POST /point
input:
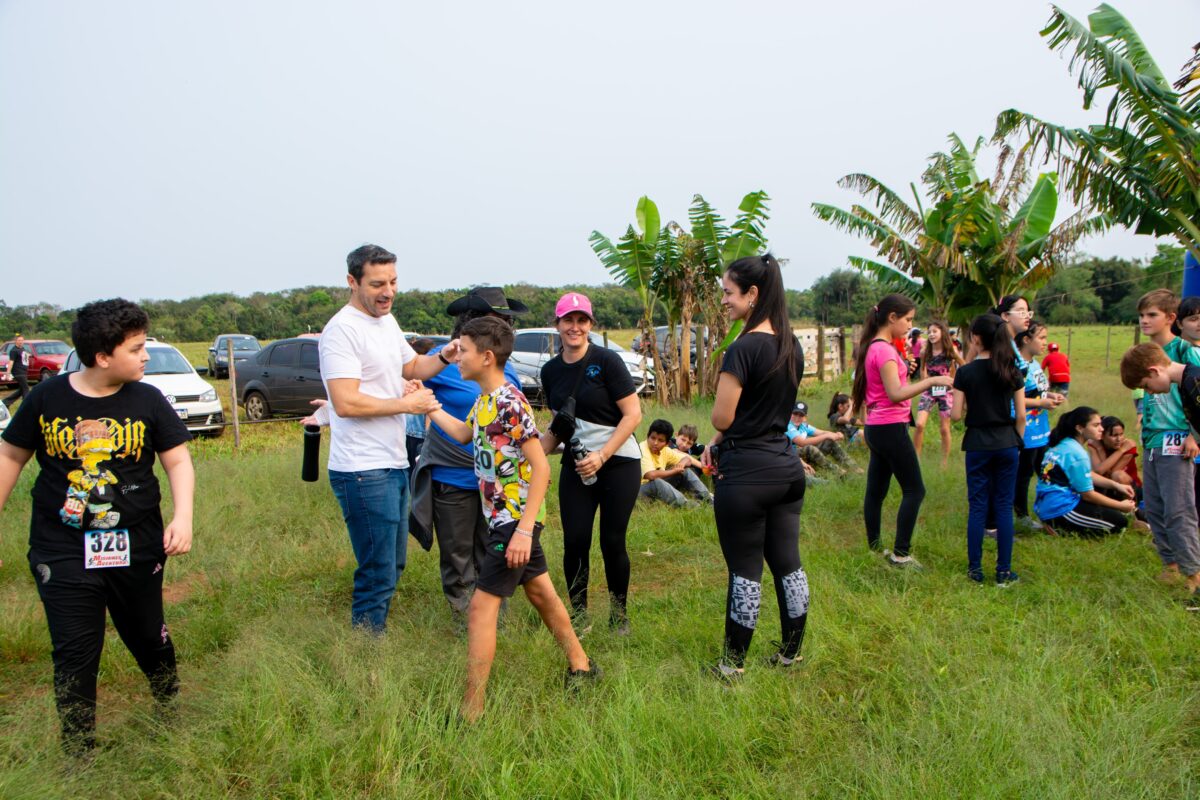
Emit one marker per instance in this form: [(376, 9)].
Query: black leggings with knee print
[(757, 521), (614, 494), (892, 454)]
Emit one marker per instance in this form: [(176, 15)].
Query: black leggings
[(1089, 519), (892, 453), (1029, 464), (757, 521), (614, 493), (75, 600)]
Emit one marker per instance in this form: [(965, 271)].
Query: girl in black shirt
[(759, 481)]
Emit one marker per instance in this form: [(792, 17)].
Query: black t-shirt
[(990, 423), (18, 360), (755, 448), (97, 465), (605, 381), (1189, 394)]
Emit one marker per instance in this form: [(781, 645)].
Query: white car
[(193, 398), (533, 347)]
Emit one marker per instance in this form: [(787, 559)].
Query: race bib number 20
[(103, 549), (1172, 443)]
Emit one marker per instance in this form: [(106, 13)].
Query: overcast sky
[(167, 149)]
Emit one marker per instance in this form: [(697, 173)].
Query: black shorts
[(495, 577)]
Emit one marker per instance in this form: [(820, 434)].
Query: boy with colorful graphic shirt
[(513, 477), (1150, 367), (1168, 449), (96, 538)]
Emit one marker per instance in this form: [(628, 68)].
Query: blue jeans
[(991, 481), (375, 506)]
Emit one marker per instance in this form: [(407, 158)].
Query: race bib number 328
[(103, 549)]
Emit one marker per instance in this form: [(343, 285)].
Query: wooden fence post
[(821, 352), (1137, 334), (1068, 342), (842, 350), (1107, 344), (233, 405)]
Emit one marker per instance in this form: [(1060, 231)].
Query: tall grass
[(1081, 681)]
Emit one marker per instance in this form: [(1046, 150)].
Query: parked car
[(46, 357), (193, 398), (282, 378), (660, 333), (244, 347), (533, 347)]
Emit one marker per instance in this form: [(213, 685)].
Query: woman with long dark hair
[(759, 481), (595, 383), (990, 393), (1039, 402), (1067, 499), (882, 391)]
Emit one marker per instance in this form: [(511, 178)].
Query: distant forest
[(1088, 290)]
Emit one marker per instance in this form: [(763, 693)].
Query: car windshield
[(248, 345), (51, 349), (166, 362)]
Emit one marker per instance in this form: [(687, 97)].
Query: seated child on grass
[(817, 447), (665, 473), (513, 476)]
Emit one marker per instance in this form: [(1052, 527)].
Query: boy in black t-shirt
[(96, 537)]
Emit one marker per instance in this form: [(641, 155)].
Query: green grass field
[(1080, 681)]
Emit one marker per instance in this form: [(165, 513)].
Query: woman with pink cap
[(596, 411)]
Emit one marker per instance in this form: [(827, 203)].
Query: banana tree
[(1141, 166), (978, 240)]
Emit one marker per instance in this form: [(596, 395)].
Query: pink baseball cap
[(573, 301)]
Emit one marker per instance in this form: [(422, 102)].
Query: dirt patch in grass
[(183, 589)]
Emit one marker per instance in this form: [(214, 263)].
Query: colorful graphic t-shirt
[(1163, 413), (96, 456), (503, 422), (1037, 420), (1066, 474)]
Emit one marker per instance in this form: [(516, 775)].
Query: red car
[(46, 357)]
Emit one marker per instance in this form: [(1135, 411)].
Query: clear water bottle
[(579, 452)]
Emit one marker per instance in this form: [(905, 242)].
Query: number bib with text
[(1172, 443), (938, 391), (103, 549)]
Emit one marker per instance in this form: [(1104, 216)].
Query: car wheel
[(256, 406), (44, 374)]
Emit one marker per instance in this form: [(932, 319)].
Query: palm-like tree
[(977, 240), (1140, 166)]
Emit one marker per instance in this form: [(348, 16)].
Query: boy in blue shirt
[(815, 446), (513, 477)]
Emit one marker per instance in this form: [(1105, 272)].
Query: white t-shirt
[(373, 351)]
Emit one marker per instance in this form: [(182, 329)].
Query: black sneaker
[(975, 575), (578, 677), (778, 659), (730, 676), (1007, 578)]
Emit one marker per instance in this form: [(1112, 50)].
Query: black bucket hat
[(489, 300)]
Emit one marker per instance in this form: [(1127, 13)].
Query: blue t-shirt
[(1066, 474), (803, 429), (458, 397), (1037, 420)]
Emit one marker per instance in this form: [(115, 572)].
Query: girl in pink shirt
[(882, 391)]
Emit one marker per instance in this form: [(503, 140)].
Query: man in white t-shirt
[(373, 378)]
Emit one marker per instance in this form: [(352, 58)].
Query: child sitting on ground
[(687, 441), (665, 473), (513, 476), (841, 418), (817, 447)]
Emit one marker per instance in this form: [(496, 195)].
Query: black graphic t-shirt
[(990, 422), (606, 380), (755, 448), (97, 465), (18, 360)]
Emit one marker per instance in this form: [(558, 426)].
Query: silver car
[(533, 347)]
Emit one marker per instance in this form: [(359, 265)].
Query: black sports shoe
[(1007, 578), (975, 575), (577, 677), (725, 673), (778, 659)]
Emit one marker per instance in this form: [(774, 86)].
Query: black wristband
[(442, 358)]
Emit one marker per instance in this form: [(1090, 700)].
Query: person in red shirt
[(1057, 369)]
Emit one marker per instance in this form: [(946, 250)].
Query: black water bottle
[(311, 469), (579, 453)]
